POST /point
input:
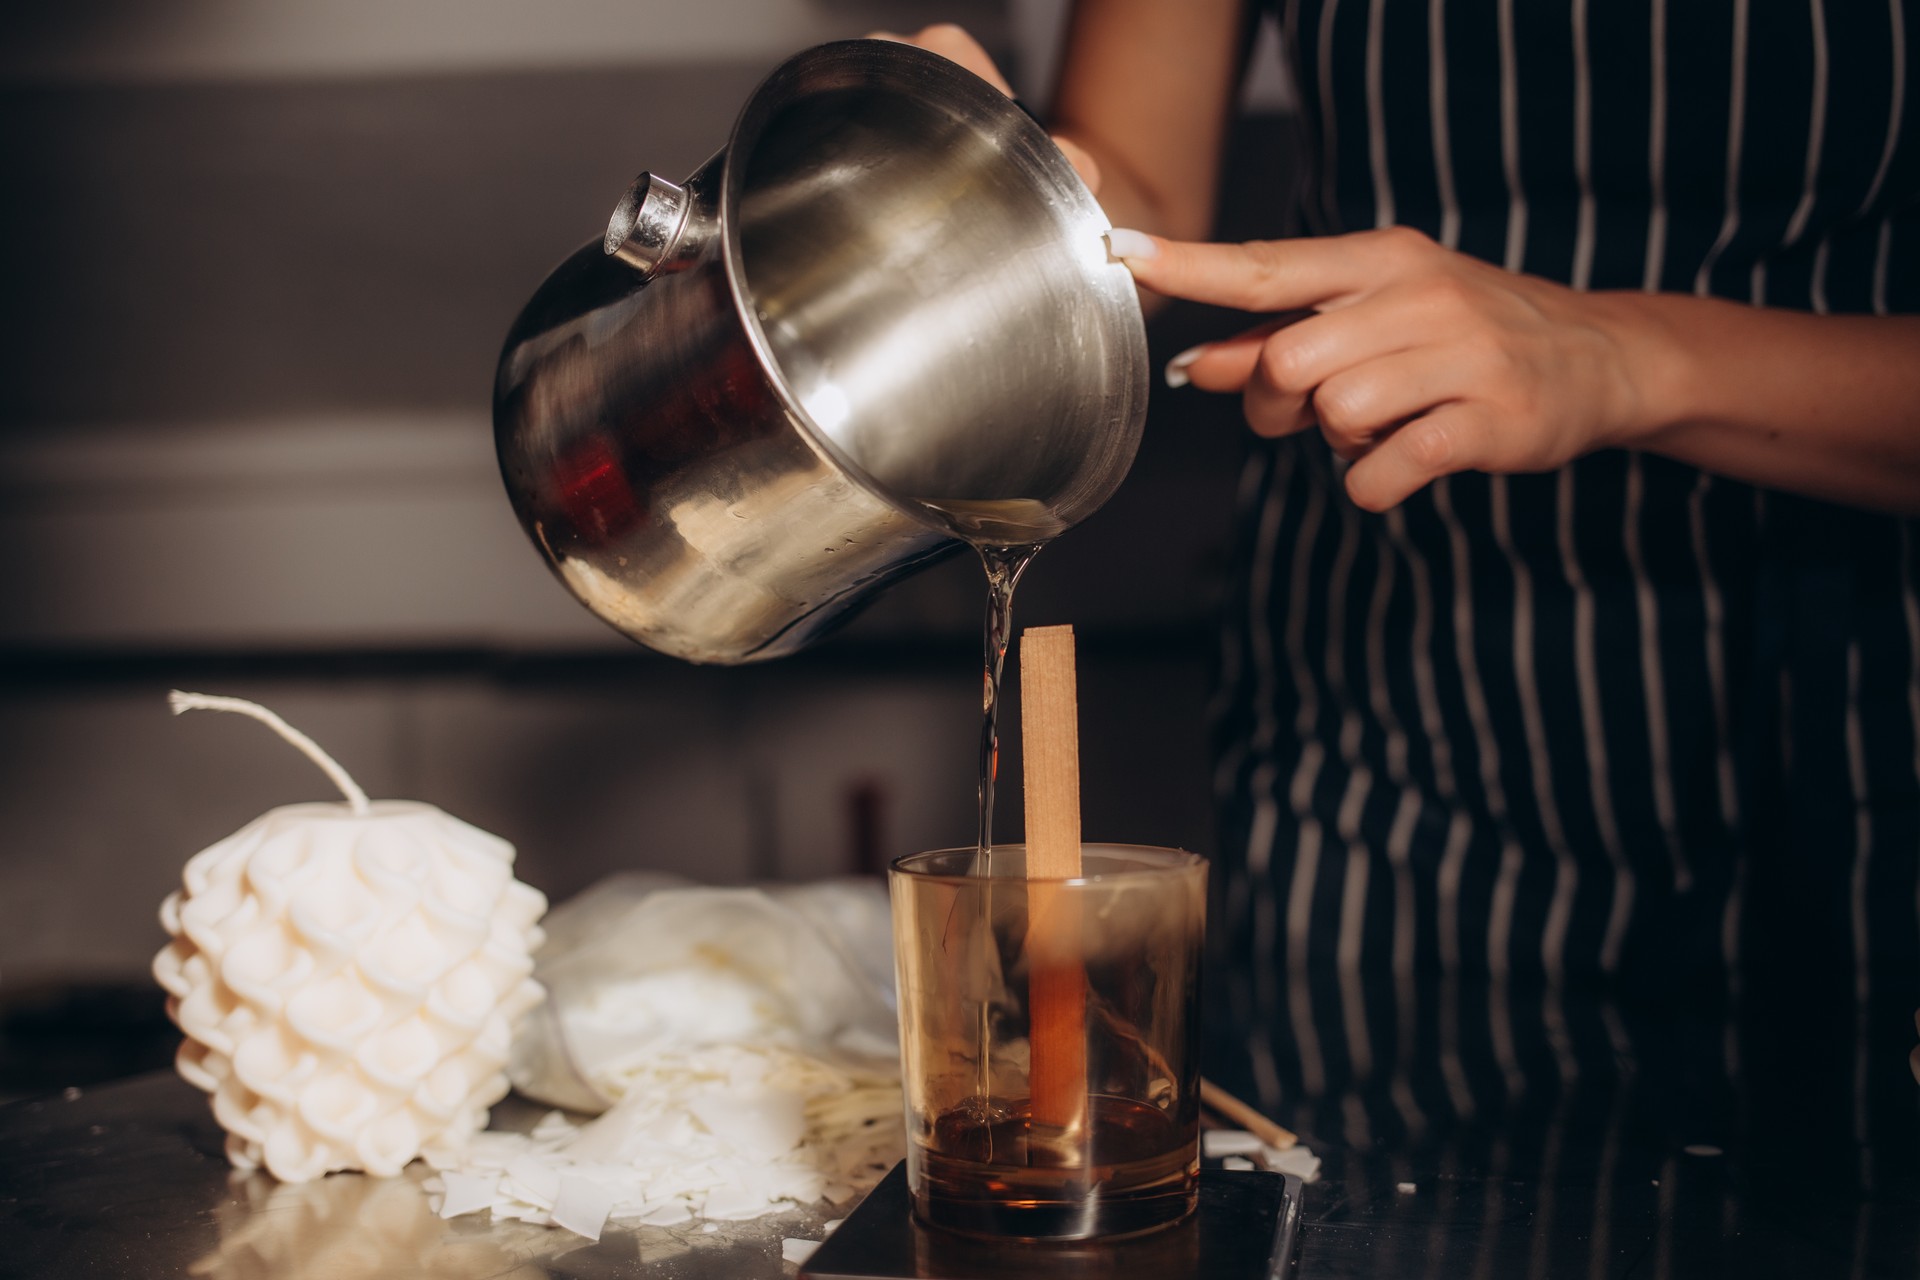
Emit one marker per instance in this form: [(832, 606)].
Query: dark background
[(255, 265)]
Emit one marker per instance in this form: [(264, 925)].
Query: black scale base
[(1243, 1230)]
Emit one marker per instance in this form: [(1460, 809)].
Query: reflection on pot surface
[(883, 318)]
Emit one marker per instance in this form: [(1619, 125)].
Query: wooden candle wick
[(1056, 975), (1214, 1098)]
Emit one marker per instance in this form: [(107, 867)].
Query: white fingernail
[(1177, 367), (1123, 243)]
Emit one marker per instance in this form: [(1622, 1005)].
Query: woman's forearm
[(1827, 406), (1147, 89)]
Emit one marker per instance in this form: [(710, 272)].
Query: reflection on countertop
[(129, 1180), (1649, 1160), (1488, 1129)]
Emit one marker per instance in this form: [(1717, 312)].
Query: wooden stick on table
[(1056, 976), (1214, 1098)]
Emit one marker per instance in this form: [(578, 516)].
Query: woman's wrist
[(1657, 378), (1817, 405)]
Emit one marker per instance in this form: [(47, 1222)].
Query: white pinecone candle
[(347, 976)]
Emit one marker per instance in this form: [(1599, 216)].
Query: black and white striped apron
[(1624, 732)]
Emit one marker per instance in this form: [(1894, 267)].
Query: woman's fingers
[(1453, 437), (1230, 364), (954, 44), (1295, 351), (1418, 362), (1357, 406), (1275, 275), (1225, 364), (1261, 275), (1272, 412), (1352, 371)]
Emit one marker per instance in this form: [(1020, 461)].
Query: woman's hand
[(956, 44), (1414, 361), (1417, 361)]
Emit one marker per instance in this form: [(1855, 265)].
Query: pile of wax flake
[(722, 1132), (1238, 1149)]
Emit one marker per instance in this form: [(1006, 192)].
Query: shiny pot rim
[(952, 83)]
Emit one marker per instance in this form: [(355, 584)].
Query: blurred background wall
[(255, 263)]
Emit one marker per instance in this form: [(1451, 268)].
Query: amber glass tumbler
[(1049, 1034)]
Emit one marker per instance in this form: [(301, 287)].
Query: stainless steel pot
[(883, 318)]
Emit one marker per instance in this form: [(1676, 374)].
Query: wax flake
[(582, 1205), (610, 1175), (466, 1193), (722, 1133), (763, 1125), (534, 1180), (552, 1126), (670, 1214), (604, 1139), (795, 1250), (1297, 1160), (832, 1226), (484, 1151), (1228, 1142), (1239, 1164), (691, 1180), (734, 1204)]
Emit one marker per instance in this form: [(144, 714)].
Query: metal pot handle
[(647, 223)]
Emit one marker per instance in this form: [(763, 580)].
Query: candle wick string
[(357, 800)]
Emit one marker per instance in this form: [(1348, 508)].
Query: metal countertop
[(129, 1180)]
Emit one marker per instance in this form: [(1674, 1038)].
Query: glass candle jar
[(1049, 1037)]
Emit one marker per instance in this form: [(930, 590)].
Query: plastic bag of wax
[(642, 967)]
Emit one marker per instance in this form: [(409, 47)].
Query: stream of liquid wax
[(1007, 533), (1004, 566)]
